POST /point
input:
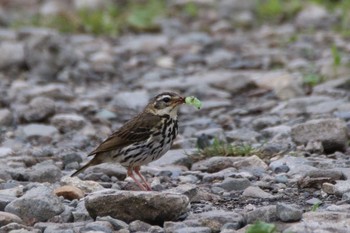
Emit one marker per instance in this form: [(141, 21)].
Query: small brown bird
[(143, 139)]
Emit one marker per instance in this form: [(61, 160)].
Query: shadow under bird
[(143, 139)]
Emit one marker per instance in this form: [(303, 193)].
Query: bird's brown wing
[(135, 130)]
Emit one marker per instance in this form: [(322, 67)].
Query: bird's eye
[(166, 99)]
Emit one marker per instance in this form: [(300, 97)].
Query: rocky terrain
[(271, 142)]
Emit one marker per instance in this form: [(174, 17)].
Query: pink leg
[(137, 171), (130, 173)]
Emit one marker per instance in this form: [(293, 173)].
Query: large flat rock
[(150, 207)]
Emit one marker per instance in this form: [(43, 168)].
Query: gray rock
[(266, 121), (53, 91), (39, 130), (156, 229), (99, 226), (37, 204), (217, 133), (50, 227), (266, 213), (47, 53), (328, 173), (250, 162), (80, 213), (137, 226), (285, 85), (131, 99), (193, 230), (6, 118), (39, 109), (288, 213), (312, 16), (244, 134), (5, 200), (174, 157), (87, 186), (341, 187), (214, 164), (6, 218), (297, 165), (6, 152), (144, 43), (256, 192), (117, 224), (12, 54), (189, 190), (331, 132), (150, 207), (217, 218), (18, 228), (115, 170), (68, 122), (234, 184), (326, 221), (45, 172), (276, 131)]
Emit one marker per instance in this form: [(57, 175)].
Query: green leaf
[(261, 227)]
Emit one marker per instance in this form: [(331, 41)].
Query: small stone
[(5, 152), (328, 188), (257, 193), (193, 230), (39, 109), (341, 187), (69, 192), (37, 204), (45, 172), (234, 184), (312, 16), (87, 186), (215, 219), (39, 130), (5, 200), (264, 122), (281, 179), (6, 118), (214, 164), (6, 218), (250, 162), (266, 213), (12, 54), (139, 226), (281, 169), (288, 213), (313, 201), (68, 122), (98, 226), (117, 224)]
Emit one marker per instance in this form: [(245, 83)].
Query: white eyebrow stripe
[(163, 96)]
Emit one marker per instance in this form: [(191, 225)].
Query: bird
[(141, 140)]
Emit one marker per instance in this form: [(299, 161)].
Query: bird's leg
[(146, 185), (131, 174)]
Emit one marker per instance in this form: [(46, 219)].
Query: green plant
[(277, 10), (315, 206), (261, 227), (143, 16), (191, 9), (111, 20), (312, 79), (220, 148), (336, 56)]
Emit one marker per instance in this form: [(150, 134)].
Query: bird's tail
[(92, 162)]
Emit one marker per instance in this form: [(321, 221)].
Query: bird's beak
[(181, 100)]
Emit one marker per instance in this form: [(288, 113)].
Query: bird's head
[(166, 103)]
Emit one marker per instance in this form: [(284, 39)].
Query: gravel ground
[(62, 94)]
